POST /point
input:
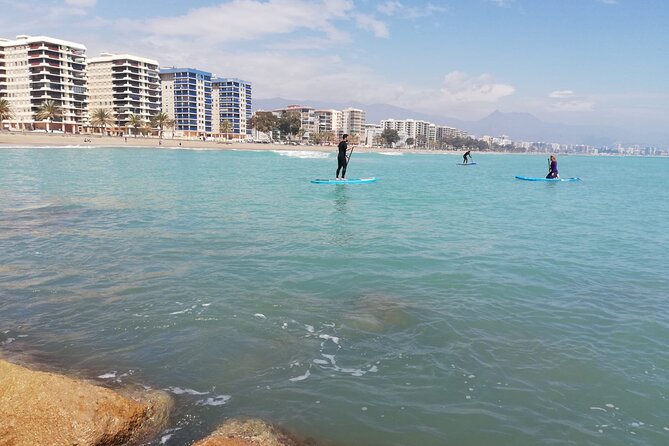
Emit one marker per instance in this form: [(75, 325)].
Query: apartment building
[(353, 121), (125, 85), (35, 69), (329, 121), (231, 101), (307, 118), (187, 98)]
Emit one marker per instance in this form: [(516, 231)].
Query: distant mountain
[(518, 126)]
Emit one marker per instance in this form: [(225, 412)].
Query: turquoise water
[(442, 305)]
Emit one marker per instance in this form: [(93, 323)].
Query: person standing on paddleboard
[(468, 153), (342, 158), (552, 167)]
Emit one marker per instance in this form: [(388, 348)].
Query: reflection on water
[(342, 234), (341, 198)]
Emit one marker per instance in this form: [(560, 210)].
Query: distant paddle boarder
[(552, 167), (342, 158), (468, 153)]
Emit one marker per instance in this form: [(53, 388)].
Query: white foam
[(165, 438), (260, 316), (301, 377), (205, 305), (391, 153), (108, 375), (334, 339), (181, 312), (307, 154), (8, 341), (320, 362), (180, 391), (310, 328), (610, 406), (598, 408), (218, 400)]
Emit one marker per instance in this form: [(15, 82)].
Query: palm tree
[(49, 110), (226, 126), (5, 111), (160, 120), (135, 122), (102, 117)]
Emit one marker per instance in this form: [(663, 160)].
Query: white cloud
[(502, 3), (568, 101), (245, 20), (560, 94), (368, 22), (398, 9), (609, 2), (390, 7), (81, 3), (459, 87)]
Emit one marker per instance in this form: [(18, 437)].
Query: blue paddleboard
[(550, 180), (466, 164), (347, 181)]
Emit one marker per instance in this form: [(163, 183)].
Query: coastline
[(83, 141)]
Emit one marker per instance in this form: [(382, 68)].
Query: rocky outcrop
[(251, 432), (42, 408)]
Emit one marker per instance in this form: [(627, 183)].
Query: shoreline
[(20, 140)]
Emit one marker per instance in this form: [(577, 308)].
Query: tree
[(421, 141), (49, 110), (410, 142), (390, 136), (226, 127), (135, 122), (290, 123), (160, 120), (5, 111), (265, 122), (102, 118)]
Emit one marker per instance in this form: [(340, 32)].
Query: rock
[(42, 408), (252, 432)]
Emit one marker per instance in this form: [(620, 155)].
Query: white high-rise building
[(35, 69), (354, 121), (231, 101), (125, 85), (329, 121), (307, 118)]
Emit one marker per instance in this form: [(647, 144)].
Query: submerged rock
[(42, 408), (252, 432)]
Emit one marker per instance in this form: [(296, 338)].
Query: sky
[(595, 62)]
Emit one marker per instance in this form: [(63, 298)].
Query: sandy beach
[(27, 139), (18, 139)]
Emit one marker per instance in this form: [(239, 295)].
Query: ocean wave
[(306, 154)]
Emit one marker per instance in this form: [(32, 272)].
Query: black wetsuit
[(342, 161), (465, 157)]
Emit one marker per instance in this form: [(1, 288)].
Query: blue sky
[(572, 61)]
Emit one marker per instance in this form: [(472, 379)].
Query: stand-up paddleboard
[(551, 180), (466, 164), (346, 181)]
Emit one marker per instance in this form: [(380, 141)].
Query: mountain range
[(517, 126)]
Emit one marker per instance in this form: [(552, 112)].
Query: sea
[(441, 305)]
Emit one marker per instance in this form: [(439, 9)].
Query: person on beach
[(552, 167), (468, 153), (342, 158)]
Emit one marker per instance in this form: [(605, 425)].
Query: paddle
[(348, 158)]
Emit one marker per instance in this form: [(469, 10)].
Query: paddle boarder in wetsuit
[(342, 159), (464, 157), (552, 167)]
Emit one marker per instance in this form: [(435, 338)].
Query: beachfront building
[(186, 98), (35, 69), (444, 133), (372, 135), (307, 118), (329, 121), (418, 131), (354, 121), (125, 85), (231, 102)]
